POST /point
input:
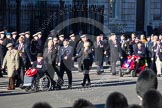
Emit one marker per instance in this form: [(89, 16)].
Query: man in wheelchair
[(38, 77), (40, 64)]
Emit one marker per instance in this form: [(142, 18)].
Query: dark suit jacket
[(27, 54), (99, 52), (73, 44), (140, 52), (53, 56), (115, 51), (41, 67), (68, 51), (154, 48), (124, 48)]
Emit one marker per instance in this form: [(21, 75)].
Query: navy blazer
[(27, 54), (68, 51), (140, 52), (41, 67)]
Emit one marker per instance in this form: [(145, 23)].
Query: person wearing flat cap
[(11, 62), (61, 39)]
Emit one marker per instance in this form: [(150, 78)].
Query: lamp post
[(18, 4)]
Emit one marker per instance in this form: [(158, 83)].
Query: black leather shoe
[(99, 72), (69, 86), (113, 73), (88, 84), (158, 75), (82, 84)]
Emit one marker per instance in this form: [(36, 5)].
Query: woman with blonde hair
[(86, 60)]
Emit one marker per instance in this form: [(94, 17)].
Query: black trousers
[(63, 68), (1, 62), (1, 75), (19, 77), (86, 78), (113, 67), (55, 67), (80, 66), (153, 66)]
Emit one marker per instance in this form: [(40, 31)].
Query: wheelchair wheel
[(34, 86), (45, 83)]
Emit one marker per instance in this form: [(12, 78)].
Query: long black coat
[(154, 48), (99, 52), (115, 51), (73, 44), (53, 56)]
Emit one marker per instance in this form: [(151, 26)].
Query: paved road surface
[(102, 86)]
